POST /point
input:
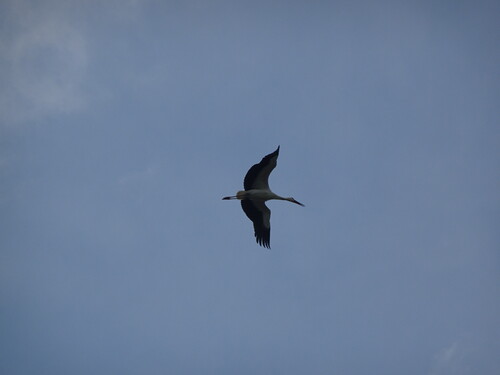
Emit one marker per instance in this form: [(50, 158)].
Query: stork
[(255, 195)]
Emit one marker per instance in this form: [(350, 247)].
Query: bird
[(256, 193)]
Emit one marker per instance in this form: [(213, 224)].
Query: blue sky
[(122, 125)]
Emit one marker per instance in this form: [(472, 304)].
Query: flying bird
[(255, 195)]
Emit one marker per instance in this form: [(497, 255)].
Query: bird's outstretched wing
[(260, 215), (257, 176)]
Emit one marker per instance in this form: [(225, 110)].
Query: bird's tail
[(239, 195)]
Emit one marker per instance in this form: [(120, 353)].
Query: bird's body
[(255, 195)]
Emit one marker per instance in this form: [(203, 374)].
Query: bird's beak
[(300, 204)]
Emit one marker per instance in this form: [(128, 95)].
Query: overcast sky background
[(122, 125)]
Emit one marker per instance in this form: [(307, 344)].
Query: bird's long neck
[(276, 196)]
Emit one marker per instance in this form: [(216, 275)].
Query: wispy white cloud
[(448, 361), (44, 61)]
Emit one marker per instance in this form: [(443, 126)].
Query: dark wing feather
[(260, 215), (257, 176)]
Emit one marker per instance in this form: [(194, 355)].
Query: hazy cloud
[(448, 361), (44, 61)]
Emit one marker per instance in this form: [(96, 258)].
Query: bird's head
[(294, 201)]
